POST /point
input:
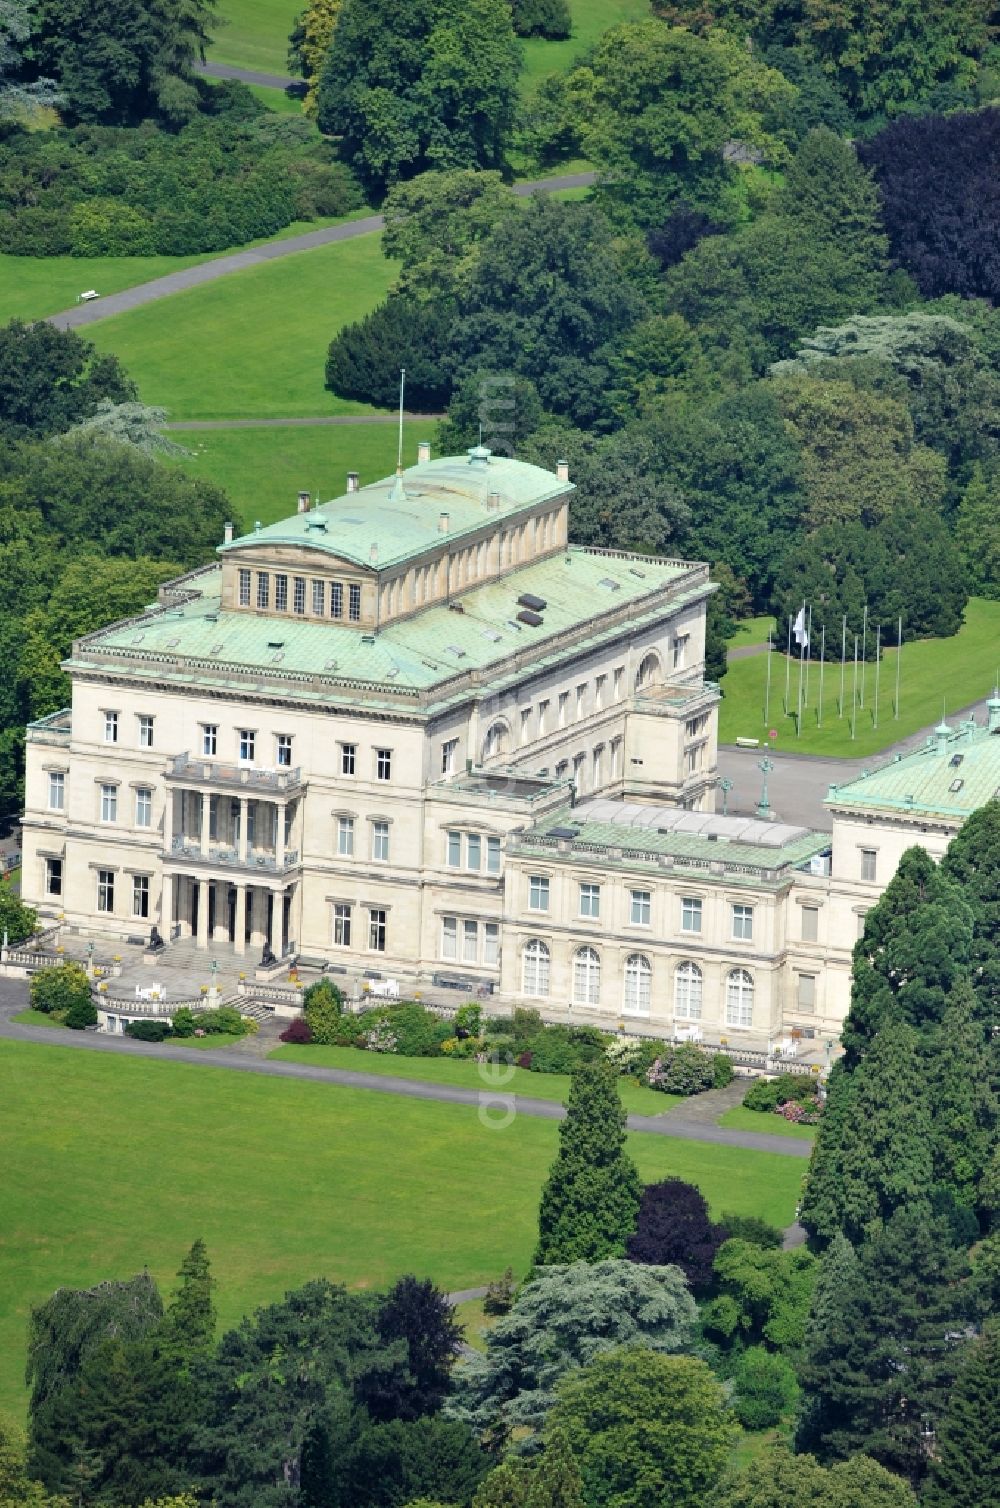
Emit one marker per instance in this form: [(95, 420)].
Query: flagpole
[(802, 656), (864, 651), (822, 658), (788, 663), (899, 658), (843, 661), (878, 661), (809, 639), (854, 693), (767, 687)]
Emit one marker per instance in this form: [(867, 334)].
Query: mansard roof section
[(952, 775), (400, 518)]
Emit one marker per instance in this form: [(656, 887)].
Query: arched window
[(638, 984), (739, 998), (586, 977), (536, 968), (648, 673), (496, 741), (687, 992)]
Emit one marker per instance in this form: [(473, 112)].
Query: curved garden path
[(239, 261)]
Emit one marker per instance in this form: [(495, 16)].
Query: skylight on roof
[(456, 650), (492, 635), (609, 585), (956, 785), (172, 643)]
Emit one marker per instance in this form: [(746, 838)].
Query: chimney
[(373, 554), (443, 522), (352, 481), (227, 534), (423, 452), (942, 733), (303, 502), (562, 471), (993, 712), (257, 526), (492, 502)]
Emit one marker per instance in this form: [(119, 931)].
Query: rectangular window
[(543, 717), (492, 855), (283, 749), (525, 724), (868, 861), (263, 589), (341, 926), (105, 890), (109, 803), (248, 744), (680, 650), (470, 942), (590, 901), (640, 908), (299, 594), (690, 914), (449, 750), (563, 699), (319, 598), (449, 937), (140, 895), (383, 764), (806, 992), (111, 727), (145, 731), (743, 924), (209, 739), (143, 806), (53, 876), (599, 687), (380, 841), (454, 850), (616, 758), (57, 791), (348, 757), (861, 924), (810, 923), (538, 893), (491, 944), (376, 930), (619, 680), (693, 758), (581, 699), (598, 758), (244, 588), (345, 837), (281, 593), (473, 851), (354, 603), (336, 599)]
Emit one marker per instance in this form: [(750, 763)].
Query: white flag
[(799, 630)]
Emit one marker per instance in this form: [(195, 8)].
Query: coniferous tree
[(963, 1106), (973, 863), (822, 1201), (966, 1469), (190, 1320), (591, 1199), (838, 1276), (556, 1481)]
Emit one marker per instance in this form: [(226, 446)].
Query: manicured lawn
[(114, 1163), (38, 1018), (475, 1322), (739, 1119), (253, 344), (751, 631), (467, 1075), (590, 19), (958, 671), (263, 469), (254, 34)]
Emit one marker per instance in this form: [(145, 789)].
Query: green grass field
[(959, 671), (739, 1119), (636, 1098), (254, 34), (253, 344), (590, 19), (263, 469), (112, 1164)]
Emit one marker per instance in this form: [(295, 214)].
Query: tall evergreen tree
[(190, 1320), (964, 1107), (556, 1481), (822, 1201), (966, 1469), (838, 1276), (591, 1199), (973, 863)]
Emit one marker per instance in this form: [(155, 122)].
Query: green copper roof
[(948, 777), (403, 521), (195, 641)]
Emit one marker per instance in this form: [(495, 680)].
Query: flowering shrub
[(791, 1110), (298, 1032), (685, 1069), (794, 1096), (623, 1053), (379, 1036)]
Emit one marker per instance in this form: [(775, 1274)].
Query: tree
[(977, 531), (940, 194), (674, 1227), (121, 61), (763, 1296), (645, 1429), (964, 1108), (561, 1320), (775, 1478), (763, 1388), (542, 18), (893, 1352), (364, 358), (972, 862), (389, 1464), (16, 96), (435, 226), (417, 1318), (190, 1319), (419, 85), (135, 424), (309, 44), (591, 1198), (17, 921), (52, 379), (824, 1334), (59, 988), (323, 1009), (555, 1481), (965, 1471)]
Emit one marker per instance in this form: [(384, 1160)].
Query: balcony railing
[(225, 854), (186, 767), (55, 729)]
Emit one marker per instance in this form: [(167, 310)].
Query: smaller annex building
[(414, 731)]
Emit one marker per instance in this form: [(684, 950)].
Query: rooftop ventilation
[(277, 659), (172, 643), (609, 585), (214, 649), (211, 617), (528, 599), (313, 523), (275, 643), (423, 452), (564, 832), (479, 455), (227, 534), (562, 471), (492, 635), (456, 607), (515, 626), (443, 522), (330, 665), (368, 638), (634, 571), (456, 650), (956, 760), (533, 619)]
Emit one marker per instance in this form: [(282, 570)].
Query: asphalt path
[(192, 424), (246, 75), (493, 1105), (239, 261)]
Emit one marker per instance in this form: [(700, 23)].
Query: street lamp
[(765, 766), (725, 786)]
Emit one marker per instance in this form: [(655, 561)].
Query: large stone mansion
[(415, 731)]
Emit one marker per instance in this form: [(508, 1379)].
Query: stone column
[(167, 907), (244, 816), (277, 908), (206, 802), (279, 834), (241, 919), (202, 911), (168, 820)]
